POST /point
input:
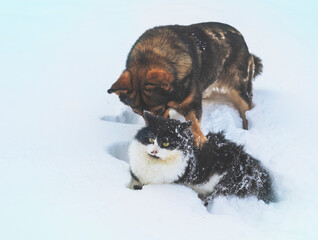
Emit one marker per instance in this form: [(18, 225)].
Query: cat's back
[(218, 153), (243, 175)]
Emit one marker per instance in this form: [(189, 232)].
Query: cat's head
[(161, 136)]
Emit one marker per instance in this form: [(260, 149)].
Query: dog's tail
[(258, 69)]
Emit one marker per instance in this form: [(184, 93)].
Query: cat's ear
[(185, 125), (149, 117)]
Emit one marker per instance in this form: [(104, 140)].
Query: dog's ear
[(158, 78), (122, 85), (149, 117)]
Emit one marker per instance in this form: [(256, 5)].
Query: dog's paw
[(199, 140)]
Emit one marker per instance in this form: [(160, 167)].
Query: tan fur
[(122, 85), (158, 77), (222, 94), (240, 105), (199, 137)]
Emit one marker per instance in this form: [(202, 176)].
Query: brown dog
[(174, 67)]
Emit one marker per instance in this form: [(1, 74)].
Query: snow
[(63, 161)]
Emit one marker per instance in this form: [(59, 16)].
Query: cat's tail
[(268, 194)]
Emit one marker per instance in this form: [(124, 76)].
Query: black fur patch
[(172, 131)]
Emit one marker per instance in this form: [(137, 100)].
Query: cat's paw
[(137, 187), (135, 184)]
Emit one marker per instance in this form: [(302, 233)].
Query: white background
[(63, 139)]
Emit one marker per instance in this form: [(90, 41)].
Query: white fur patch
[(214, 88), (170, 165), (208, 186)]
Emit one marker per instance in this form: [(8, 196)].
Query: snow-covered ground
[(63, 139)]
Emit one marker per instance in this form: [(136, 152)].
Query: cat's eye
[(165, 144), (151, 140)]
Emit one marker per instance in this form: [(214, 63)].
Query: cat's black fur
[(178, 133), (243, 175)]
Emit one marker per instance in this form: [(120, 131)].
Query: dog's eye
[(165, 86), (148, 89), (151, 140)]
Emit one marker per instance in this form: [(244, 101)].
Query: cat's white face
[(153, 164), (154, 150)]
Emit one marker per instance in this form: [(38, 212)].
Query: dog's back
[(210, 51)]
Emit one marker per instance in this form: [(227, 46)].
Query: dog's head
[(145, 89)]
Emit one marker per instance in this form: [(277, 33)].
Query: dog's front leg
[(191, 109), (195, 117)]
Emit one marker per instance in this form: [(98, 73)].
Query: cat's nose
[(154, 152)]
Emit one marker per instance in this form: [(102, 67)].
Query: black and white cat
[(163, 152)]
